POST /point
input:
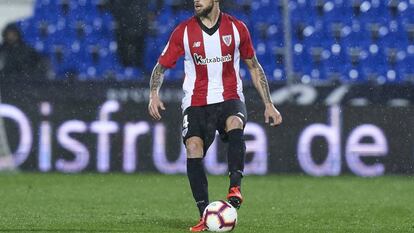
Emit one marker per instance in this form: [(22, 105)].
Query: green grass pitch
[(32, 202)]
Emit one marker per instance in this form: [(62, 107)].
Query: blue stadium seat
[(358, 37), (356, 7), (129, 74), (355, 58), (300, 11), (277, 70), (406, 11), (349, 41), (299, 57), (278, 74), (397, 8), (323, 9), (265, 56), (275, 32), (395, 60), (376, 13), (395, 39), (302, 30), (336, 66), (62, 60), (375, 66), (152, 51), (176, 74), (43, 9), (354, 74), (337, 30), (264, 14), (305, 69), (406, 69), (275, 58), (101, 55), (409, 32), (183, 15), (338, 11), (318, 39), (164, 23)]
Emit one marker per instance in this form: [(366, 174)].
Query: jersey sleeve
[(174, 48), (246, 46)]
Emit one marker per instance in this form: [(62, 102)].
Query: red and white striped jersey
[(211, 59)]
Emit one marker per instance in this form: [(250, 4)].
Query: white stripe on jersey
[(236, 61), (190, 74), (214, 70)]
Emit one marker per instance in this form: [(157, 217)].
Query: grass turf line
[(33, 202)]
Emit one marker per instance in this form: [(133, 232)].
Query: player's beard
[(206, 11)]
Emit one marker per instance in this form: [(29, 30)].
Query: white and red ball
[(220, 216)]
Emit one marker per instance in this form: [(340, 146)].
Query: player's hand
[(272, 115), (155, 104)]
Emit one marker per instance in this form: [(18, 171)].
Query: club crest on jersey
[(227, 39)]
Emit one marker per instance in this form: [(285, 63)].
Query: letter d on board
[(332, 164)]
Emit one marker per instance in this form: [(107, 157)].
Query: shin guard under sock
[(235, 156), (198, 182)]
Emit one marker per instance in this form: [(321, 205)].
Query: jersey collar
[(211, 30)]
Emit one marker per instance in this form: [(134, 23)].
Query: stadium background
[(87, 111), (340, 72)]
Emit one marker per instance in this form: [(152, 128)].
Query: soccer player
[(212, 43)]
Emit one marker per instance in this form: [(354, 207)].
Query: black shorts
[(203, 121)]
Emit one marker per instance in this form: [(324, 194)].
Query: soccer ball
[(220, 216)]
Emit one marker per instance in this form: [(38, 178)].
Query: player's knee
[(194, 147), (234, 122)]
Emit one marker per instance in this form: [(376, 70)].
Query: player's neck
[(211, 19)]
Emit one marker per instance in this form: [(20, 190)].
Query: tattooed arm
[(261, 85), (259, 79), (155, 103)]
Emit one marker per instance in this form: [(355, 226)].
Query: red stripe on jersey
[(196, 44), (246, 46), (174, 49), (227, 47)]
